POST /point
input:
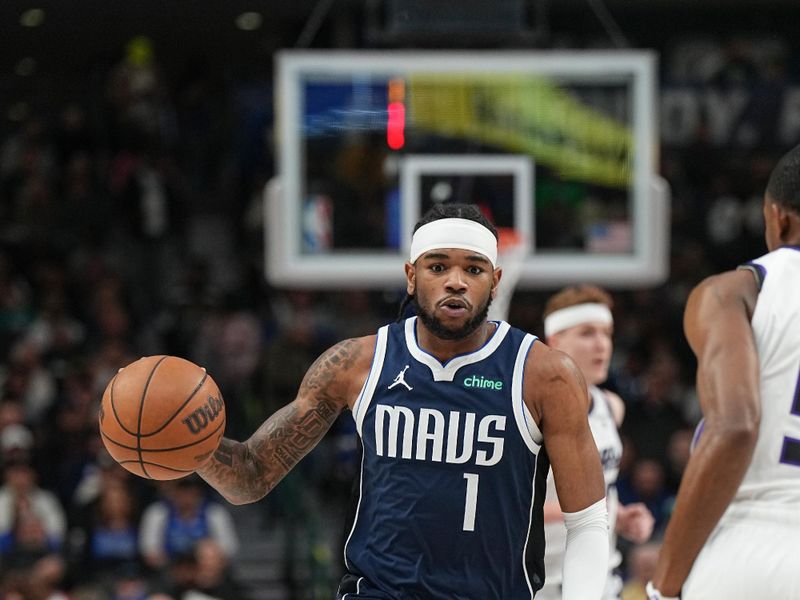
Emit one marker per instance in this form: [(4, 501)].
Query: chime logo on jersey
[(481, 382), (431, 435)]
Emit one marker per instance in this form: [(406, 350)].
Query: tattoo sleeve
[(246, 471)]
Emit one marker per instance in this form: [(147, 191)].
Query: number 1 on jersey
[(471, 503)]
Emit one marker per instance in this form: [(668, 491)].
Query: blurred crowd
[(130, 225)]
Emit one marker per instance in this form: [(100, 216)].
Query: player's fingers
[(639, 534), (638, 507), (646, 527)]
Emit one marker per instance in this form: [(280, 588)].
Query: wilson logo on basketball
[(201, 417)]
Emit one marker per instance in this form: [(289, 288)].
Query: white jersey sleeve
[(609, 446), (773, 477)]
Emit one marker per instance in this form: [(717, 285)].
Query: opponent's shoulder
[(736, 282), (720, 307), (731, 289)]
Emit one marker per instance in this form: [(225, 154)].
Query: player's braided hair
[(784, 182), (449, 211)]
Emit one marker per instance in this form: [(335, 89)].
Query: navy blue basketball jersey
[(453, 474)]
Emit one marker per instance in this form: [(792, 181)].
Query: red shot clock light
[(396, 114)]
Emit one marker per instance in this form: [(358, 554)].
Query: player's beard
[(437, 328)]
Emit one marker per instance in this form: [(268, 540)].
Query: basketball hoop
[(511, 253)]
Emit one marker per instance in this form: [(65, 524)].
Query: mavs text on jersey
[(457, 472)]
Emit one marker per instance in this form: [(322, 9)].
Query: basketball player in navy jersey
[(736, 523), (578, 321), (460, 419)]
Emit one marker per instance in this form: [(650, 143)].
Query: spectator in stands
[(213, 575), (646, 483), (31, 531), (16, 307), (28, 510), (11, 411), (107, 539), (37, 385), (171, 527), (130, 583), (655, 415)]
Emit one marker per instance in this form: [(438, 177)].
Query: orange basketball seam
[(157, 465), (114, 408), (180, 408), (141, 412), (141, 450), (189, 445)]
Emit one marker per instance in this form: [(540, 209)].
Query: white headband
[(565, 318), (463, 234)]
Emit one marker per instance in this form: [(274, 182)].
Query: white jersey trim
[(447, 371), (358, 510), (528, 429), (358, 589), (359, 412), (530, 522), (599, 398), (365, 397)]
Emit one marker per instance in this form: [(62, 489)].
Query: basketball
[(162, 417)]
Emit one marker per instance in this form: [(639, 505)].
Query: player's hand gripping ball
[(162, 417)]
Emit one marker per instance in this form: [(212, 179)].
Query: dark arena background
[(234, 183)]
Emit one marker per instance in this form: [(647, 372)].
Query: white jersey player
[(578, 321), (734, 531)]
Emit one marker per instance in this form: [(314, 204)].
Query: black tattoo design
[(245, 472), (224, 453)]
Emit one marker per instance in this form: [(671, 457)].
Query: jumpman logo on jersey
[(401, 378)]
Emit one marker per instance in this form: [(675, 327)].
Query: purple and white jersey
[(609, 446), (773, 477), (752, 553)]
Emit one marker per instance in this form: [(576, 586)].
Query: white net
[(512, 251)]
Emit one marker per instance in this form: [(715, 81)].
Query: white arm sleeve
[(586, 556)]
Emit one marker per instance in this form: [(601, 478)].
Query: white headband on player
[(565, 318), (463, 234)]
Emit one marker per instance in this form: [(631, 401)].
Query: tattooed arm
[(247, 471)]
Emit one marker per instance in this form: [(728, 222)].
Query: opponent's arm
[(717, 326), (559, 400), (552, 508), (247, 471)]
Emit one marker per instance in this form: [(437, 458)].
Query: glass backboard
[(559, 145)]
